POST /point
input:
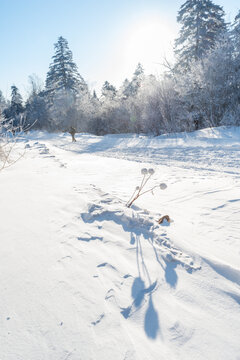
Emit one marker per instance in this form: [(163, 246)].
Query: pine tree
[(236, 25), (125, 90), (138, 73), (63, 73), (3, 103), (137, 79), (15, 110), (202, 23), (108, 91), (36, 109), (236, 34), (94, 95), (16, 100)]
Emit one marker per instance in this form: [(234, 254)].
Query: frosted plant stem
[(131, 197), (149, 190), (135, 198), (146, 181), (129, 203), (141, 186)]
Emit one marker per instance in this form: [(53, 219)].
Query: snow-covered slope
[(84, 277)]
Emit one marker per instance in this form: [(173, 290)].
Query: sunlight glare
[(149, 41)]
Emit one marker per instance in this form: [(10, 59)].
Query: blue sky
[(107, 37)]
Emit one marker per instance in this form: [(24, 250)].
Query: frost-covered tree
[(127, 109), (64, 87), (208, 90), (220, 84), (36, 109), (95, 124), (159, 107), (113, 113), (202, 22), (16, 100), (236, 41), (125, 90), (108, 105), (3, 102), (94, 96), (63, 73), (35, 85), (138, 77), (14, 112), (37, 114), (108, 91), (236, 31), (62, 110)]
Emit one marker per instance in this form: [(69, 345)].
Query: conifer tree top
[(16, 97), (63, 72), (108, 90), (139, 70), (202, 23)]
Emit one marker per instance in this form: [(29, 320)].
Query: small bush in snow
[(9, 136), (147, 173)]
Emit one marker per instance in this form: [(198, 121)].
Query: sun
[(149, 41)]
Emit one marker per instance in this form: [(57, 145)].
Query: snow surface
[(84, 277)]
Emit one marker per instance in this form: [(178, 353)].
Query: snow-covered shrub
[(9, 152)]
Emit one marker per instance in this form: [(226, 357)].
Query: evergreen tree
[(63, 73), (138, 77), (202, 23), (125, 90), (37, 112), (236, 26), (15, 110), (3, 103), (16, 100), (236, 35), (108, 91), (94, 95)]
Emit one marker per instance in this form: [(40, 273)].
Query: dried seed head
[(151, 171), (144, 171), (163, 186)]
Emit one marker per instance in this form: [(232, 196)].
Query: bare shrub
[(9, 136)]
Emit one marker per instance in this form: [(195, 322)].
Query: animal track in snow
[(88, 237), (106, 265), (98, 320), (44, 150), (180, 334)]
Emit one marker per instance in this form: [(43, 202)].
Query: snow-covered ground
[(83, 277)]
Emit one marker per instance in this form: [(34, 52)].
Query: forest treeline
[(200, 89)]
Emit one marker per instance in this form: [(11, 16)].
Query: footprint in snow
[(107, 265), (180, 334), (98, 320), (67, 257), (88, 237)]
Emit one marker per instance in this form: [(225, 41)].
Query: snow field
[(84, 277)]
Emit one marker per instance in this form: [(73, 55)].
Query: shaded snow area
[(84, 277)]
